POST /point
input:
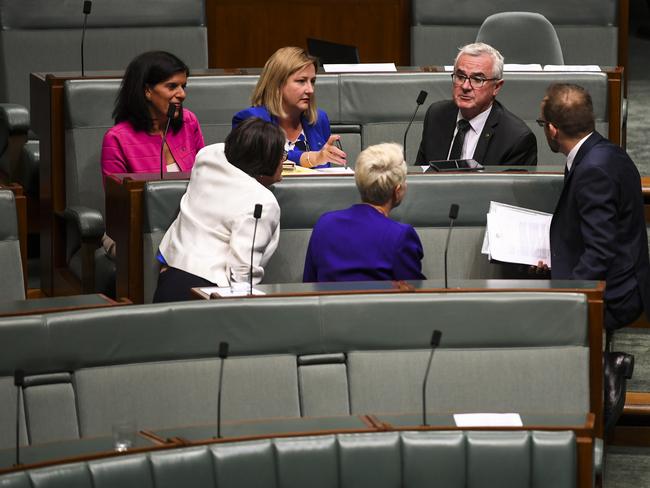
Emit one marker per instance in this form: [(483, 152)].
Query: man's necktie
[(457, 146)]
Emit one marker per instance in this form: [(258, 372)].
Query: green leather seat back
[(12, 285), (306, 356), (459, 459), (588, 30)]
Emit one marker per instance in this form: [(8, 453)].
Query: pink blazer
[(125, 150)]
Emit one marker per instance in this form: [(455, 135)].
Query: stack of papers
[(517, 235)]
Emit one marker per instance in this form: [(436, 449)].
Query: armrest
[(85, 228), (598, 458), (14, 117), (14, 127), (89, 222)]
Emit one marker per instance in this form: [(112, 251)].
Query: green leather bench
[(478, 459), (426, 207), (12, 285), (299, 357)]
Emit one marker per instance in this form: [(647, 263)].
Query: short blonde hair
[(278, 68), (379, 169)]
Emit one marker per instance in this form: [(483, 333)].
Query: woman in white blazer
[(209, 243)]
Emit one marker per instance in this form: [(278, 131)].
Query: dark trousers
[(174, 285)]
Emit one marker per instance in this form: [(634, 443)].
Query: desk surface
[(422, 286), (66, 451), (55, 304)]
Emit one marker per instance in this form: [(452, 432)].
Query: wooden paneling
[(244, 33)]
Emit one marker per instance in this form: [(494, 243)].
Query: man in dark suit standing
[(474, 125), (598, 230)]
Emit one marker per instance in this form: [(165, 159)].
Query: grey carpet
[(627, 467), (637, 342)]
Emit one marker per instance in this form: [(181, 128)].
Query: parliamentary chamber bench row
[(319, 356), (364, 108), (304, 199)]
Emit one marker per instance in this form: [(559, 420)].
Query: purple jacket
[(125, 150), (361, 244)]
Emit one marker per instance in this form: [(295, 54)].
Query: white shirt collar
[(572, 153), (473, 135)]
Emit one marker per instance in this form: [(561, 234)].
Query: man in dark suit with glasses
[(474, 125)]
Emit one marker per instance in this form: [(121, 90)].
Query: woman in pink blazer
[(152, 82)]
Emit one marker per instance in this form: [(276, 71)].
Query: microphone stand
[(420, 100), (171, 110), (86, 11), (453, 214)]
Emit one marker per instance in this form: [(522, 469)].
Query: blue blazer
[(598, 230), (316, 135), (361, 244)]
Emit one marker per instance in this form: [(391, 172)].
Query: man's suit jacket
[(506, 139), (598, 231)]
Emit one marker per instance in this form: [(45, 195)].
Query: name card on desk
[(488, 420), (228, 292), (360, 68)]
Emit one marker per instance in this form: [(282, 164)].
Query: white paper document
[(517, 235), (360, 68), (226, 291), (488, 420), (572, 67), (522, 67), (336, 170)]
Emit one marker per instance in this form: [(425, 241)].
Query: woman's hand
[(328, 154)]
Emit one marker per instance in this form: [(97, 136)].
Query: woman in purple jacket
[(362, 243), (152, 81)]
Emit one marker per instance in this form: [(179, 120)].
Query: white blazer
[(213, 232)]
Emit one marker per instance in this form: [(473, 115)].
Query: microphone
[(435, 342), (421, 98), (257, 213), (223, 354), (86, 11), (453, 214), (19, 379), (171, 110)]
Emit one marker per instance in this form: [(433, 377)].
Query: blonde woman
[(362, 243), (285, 95)]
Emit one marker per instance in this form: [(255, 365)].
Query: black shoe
[(618, 367)]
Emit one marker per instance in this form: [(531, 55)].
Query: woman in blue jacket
[(285, 96), (362, 243)]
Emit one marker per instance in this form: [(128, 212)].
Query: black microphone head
[(453, 211), (87, 6), (435, 338), (19, 377), (257, 213), (171, 110), (223, 349), (421, 97)]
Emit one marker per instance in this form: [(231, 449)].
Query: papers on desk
[(360, 68), (336, 170), (522, 67), (488, 420), (572, 67), (227, 292), (517, 235)]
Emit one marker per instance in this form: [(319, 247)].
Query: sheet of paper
[(360, 68), (337, 170), (488, 420), (522, 67), (226, 291), (572, 67), (517, 235)]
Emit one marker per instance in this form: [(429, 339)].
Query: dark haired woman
[(152, 81), (210, 241)]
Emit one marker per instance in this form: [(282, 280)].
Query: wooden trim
[(623, 39), (615, 104), (585, 453)]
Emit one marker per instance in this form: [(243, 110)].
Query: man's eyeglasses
[(459, 79), (285, 156), (542, 122)]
